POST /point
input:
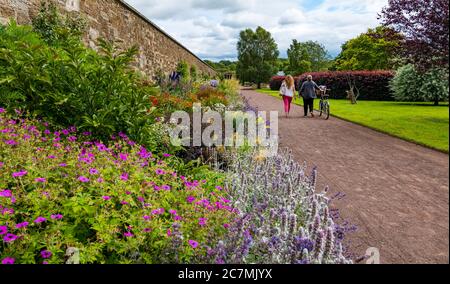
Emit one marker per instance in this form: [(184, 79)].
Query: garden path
[(397, 193)]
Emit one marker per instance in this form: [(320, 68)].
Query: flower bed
[(114, 203)]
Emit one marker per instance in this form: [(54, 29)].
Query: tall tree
[(373, 50), (257, 55), (299, 61), (424, 25)]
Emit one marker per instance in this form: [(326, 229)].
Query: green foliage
[(373, 50), (73, 85), (307, 56), (193, 72), (258, 55), (111, 202), (55, 29), (411, 85), (183, 70)]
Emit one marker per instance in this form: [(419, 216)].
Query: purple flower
[(20, 174), (11, 142), (124, 177), (147, 230), (193, 244), (57, 217), (190, 199), (3, 230), (6, 193), (46, 254), (41, 180), (40, 220), (173, 212), (63, 165), (83, 179), (160, 172), (1, 164), (123, 157), (72, 139), (22, 225), (202, 221), (128, 235), (9, 238), (106, 198), (2, 110), (226, 226), (167, 155), (146, 218), (51, 157), (93, 171), (166, 187), (8, 260)]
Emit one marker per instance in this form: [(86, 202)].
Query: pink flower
[(160, 172), (128, 235), (20, 174), (41, 180), (3, 230), (8, 260), (226, 226), (6, 193), (147, 230), (40, 220), (169, 233), (57, 217), (219, 188), (146, 218), (1, 164), (202, 221), (9, 238), (173, 212), (22, 225), (177, 218), (63, 165), (166, 187), (193, 244), (46, 254), (83, 179), (100, 180), (11, 142), (106, 198), (123, 157), (124, 177), (2, 110), (167, 155), (93, 171), (190, 199)]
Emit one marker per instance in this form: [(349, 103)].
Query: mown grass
[(421, 123)]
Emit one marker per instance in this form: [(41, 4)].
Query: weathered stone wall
[(115, 19)]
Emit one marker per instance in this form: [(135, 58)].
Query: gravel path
[(397, 193)]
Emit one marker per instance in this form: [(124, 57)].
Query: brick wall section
[(115, 19)]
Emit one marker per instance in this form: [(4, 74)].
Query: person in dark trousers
[(308, 92)]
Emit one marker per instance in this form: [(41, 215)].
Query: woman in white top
[(287, 91)]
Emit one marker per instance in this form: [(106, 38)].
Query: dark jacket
[(308, 90)]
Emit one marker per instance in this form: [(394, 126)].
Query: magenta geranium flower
[(41, 180), (6, 193), (124, 177), (1, 164), (8, 260), (3, 230), (9, 238), (11, 142), (128, 234), (167, 155), (57, 217), (202, 221), (83, 179), (106, 198), (63, 165), (20, 174), (173, 212), (160, 172), (93, 171), (2, 110), (22, 225), (193, 244), (190, 199), (166, 187), (46, 254), (146, 217), (123, 157), (40, 220), (147, 230)]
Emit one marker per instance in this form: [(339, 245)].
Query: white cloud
[(211, 28)]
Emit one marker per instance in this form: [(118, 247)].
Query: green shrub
[(410, 85), (183, 70)]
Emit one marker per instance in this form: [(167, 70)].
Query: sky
[(210, 28)]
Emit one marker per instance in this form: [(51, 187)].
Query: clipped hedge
[(373, 85)]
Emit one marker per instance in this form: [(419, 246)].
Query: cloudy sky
[(210, 28)]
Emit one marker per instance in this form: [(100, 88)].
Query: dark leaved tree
[(257, 55)]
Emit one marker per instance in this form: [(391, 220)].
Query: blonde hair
[(290, 82)]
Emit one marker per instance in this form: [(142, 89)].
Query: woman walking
[(288, 91), (308, 92)]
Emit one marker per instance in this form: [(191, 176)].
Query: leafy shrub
[(73, 85), (115, 203), (373, 85), (410, 85)]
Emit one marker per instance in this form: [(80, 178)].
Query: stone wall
[(115, 19)]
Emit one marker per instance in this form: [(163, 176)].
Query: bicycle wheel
[(321, 108), (327, 110)]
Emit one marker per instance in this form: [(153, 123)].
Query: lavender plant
[(282, 218)]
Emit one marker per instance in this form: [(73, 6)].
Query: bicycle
[(324, 103)]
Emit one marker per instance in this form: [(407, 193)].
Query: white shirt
[(285, 91)]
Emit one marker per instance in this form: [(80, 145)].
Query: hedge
[(373, 85)]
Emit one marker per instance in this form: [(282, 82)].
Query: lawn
[(421, 123)]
